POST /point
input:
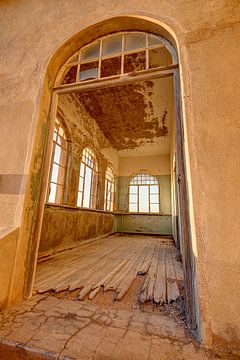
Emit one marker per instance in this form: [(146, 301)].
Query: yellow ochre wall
[(207, 34)]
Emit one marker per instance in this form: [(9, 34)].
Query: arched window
[(58, 165), (88, 177), (144, 194), (115, 55), (109, 190)]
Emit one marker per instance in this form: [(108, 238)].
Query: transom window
[(115, 55), (58, 165), (88, 177), (109, 190), (144, 194)]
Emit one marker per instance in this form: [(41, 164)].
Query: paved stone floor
[(47, 327)]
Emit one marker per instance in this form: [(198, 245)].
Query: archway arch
[(37, 183)]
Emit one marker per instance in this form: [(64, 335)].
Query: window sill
[(77, 208)]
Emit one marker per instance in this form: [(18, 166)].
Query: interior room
[(111, 199)]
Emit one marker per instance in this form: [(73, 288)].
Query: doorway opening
[(116, 206)]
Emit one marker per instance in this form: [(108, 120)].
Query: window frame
[(57, 126), (112, 181), (85, 161), (77, 61), (148, 185)]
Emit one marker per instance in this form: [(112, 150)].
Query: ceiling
[(135, 118)]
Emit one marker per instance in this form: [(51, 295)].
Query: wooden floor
[(112, 264)]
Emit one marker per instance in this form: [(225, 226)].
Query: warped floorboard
[(112, 264)]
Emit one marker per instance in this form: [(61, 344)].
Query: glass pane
[(87, 187), (79, 199), (134, 41), (152, 40), (54, 136), (154, 199), (82, 167), (73, 59), (135, 62), (80, 185), (70, 75), (88, 71), (55, 173), (91, 52), (154, 189), (133, 189), (52, 195), (57, 154), (143, 199), (154, 208), (159, 57), (111, 66), (132, 207), (133, 198), (112, 45)]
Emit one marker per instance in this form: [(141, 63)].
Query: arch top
[(101, 34)]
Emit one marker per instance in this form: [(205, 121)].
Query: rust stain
[(125, 114)]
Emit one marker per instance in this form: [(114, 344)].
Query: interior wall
[(66, 226)]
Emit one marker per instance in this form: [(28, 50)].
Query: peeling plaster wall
[(208, 38), (64, 227)]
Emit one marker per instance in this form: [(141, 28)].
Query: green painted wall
[(165, 193), (144, 223)]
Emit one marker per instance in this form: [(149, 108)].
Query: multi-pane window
[(58, 165), (144, 194), (115, 55), (88, 178), (109, 190)]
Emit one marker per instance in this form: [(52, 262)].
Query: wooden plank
[(152, 272), (113, 284), (159, 292), (172, 286), (131, 275)]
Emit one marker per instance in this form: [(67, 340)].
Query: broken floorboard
[(112, 264)]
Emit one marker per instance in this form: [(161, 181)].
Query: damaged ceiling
[(135, 118)]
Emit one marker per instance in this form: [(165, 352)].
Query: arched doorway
[(120, 25)]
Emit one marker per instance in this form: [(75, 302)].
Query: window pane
[(79, 199), (87, 187), (135, 62), (88, 71), (111, 66), (73, 59), (133, 189), (55, 170), (133, 199), (159, 57), (132, 207), (80, 185), (154, 199), (91, 51), (154, 189), (82, 167), (134, 41), (152, 40), (154, 208), (70, 75), (112, 45), (143, 199), (57, 154), (52, 195)]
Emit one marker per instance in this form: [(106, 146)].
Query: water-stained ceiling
[(135, 118)]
